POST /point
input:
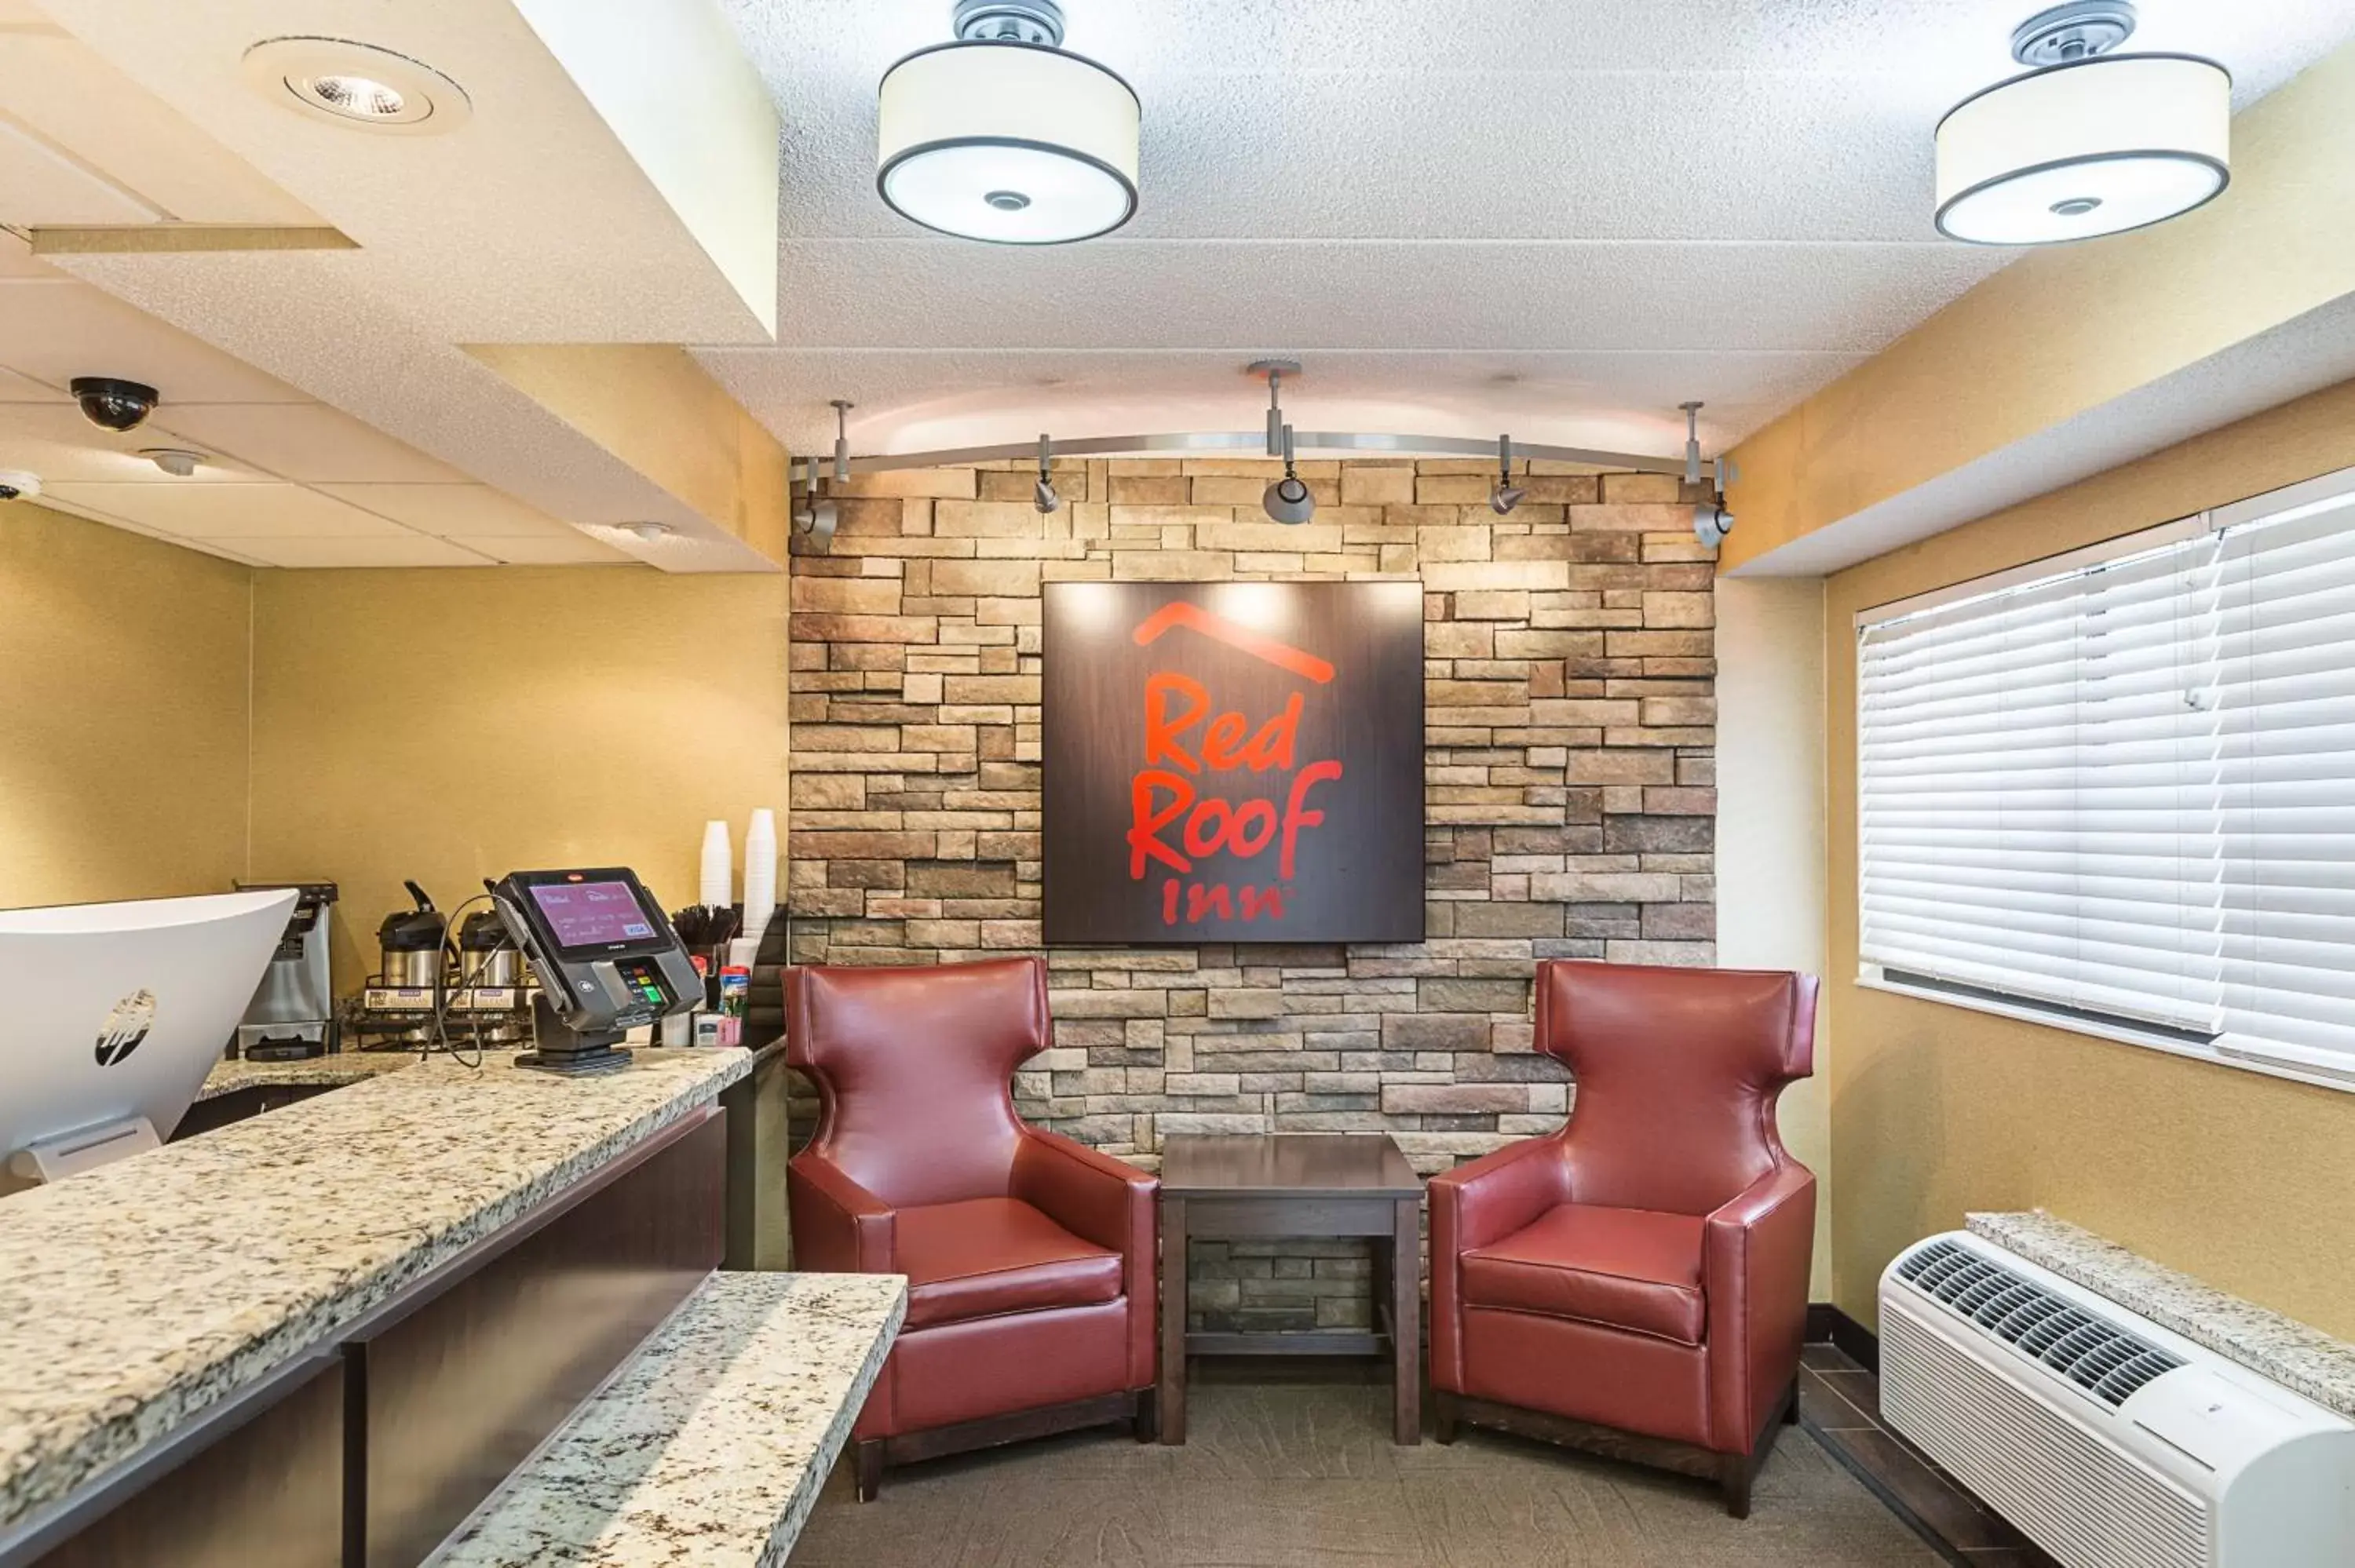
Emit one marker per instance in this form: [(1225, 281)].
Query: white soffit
[(531, 222), (1547, 215), (670, 82), (283, 481), (2314, 351)]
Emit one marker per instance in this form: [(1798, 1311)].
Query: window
[(2115, 790)]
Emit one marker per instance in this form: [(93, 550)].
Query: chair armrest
[(1757, 1253), (839, 1227), (1112, 1203), (1496, 1195), (1471, 1206), (1088, 1192)]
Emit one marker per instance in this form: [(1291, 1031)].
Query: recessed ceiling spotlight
[(19, 484), (648, 532), (357, 84), (178, 461), (1004, 135), (2089, 142), (1507, 495)]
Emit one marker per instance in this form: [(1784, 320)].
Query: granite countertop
[(2294, 1355), (711, 1445), (331, 1071), (134, 1295)]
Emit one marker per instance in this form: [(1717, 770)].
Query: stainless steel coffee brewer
[(410, 944), (292, 1014)]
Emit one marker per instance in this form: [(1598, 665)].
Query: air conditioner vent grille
[(2090, 1504), (2099, 1357)]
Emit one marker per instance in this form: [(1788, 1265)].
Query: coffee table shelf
[(1299, 1185)]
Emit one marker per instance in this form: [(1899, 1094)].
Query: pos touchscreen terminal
[(606, 959)]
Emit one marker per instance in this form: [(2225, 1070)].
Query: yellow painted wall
[(123, 714), (451, 726), (2240, 1179)]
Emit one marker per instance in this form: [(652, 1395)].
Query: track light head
[(1288, 500), (1712, 522), (1507, 495), (842, 408), (1042, 494)]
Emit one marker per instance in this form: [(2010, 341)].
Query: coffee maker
[(292, 1014)]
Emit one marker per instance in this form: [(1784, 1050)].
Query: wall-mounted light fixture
[(1005, 136), (2087, 142)]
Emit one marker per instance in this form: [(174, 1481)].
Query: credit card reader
[(606, 960)]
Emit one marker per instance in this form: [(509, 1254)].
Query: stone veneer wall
[(1569, 811)]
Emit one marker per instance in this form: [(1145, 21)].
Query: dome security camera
[(113, 404), (16, 484), (1712, 523)]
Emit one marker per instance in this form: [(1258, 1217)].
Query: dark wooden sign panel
[(1233, 762)]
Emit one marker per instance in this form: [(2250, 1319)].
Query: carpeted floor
[(1305, 1477)]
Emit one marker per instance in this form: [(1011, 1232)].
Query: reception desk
[(327, 1334)]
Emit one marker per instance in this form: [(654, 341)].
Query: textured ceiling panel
[(1439, 294), (311, 444), (454, 510), (1489, 182), (54, 441), (233, 512), (399, 550)]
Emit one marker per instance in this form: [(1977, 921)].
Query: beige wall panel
[(123, 714), (2230, 1175), (454, 725), (1770, 828)]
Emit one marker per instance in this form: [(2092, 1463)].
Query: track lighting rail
[(1250, 442)]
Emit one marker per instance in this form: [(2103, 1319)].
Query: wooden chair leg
[(869, 1479), (1443, 1416), (1149, 1415), (1734, 1478)]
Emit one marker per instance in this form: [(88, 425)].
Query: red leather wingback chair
[(1030, 1257), (1644, 1270)]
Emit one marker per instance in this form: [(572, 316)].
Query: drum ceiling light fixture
[(1004, 135), (2088, 142)]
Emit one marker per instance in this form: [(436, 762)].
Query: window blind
[(2286, 691), (2128, 788)]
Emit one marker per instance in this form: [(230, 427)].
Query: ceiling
[(286, 481), (1557, 217)]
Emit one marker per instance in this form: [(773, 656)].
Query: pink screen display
[(593, 913)]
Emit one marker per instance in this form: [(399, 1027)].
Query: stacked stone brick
[(1568, 807)]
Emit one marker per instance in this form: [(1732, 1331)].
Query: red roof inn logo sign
[(1233, 762)]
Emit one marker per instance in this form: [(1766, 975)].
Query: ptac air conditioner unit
[(2109, 1441)]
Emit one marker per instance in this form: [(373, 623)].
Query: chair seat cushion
[(1632, 1269), (986, 1256)]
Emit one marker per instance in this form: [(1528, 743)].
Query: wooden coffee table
[(1294, 1184)]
